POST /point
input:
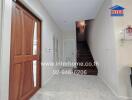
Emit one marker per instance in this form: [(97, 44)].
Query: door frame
[(5, 49), (5, 45), (0, 25)]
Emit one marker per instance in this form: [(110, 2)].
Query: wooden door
[(25, 69)]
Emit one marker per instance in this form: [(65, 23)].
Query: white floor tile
[(74, 87)]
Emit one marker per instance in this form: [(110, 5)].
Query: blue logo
[(117, 11)]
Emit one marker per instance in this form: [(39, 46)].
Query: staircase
[(84, 57)]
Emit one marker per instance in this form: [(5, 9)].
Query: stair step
[(84, 56), (85, 71), (87, 68), (84, 59), (87, 54)]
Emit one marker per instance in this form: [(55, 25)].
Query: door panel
[(16, 73), (25, 75), (17, 30), (27, 78), (28, 33)]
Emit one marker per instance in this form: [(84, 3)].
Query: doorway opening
[(85, 61)]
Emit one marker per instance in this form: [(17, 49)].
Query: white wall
[(112, 55), (124, 49), (0, 31), (49, 29), (101, 40)]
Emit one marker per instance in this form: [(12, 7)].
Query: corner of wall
[(5, 49)]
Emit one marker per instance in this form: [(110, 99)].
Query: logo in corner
[(117, 10)]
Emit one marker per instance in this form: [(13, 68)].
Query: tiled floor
[(74, 87)]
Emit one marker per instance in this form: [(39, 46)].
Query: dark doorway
[(83, 51)]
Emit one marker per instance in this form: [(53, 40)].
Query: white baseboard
[(113, 91)]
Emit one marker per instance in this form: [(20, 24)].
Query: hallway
[(74, 87), (41, 38)]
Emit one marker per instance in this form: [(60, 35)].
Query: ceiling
[(66, 12)]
